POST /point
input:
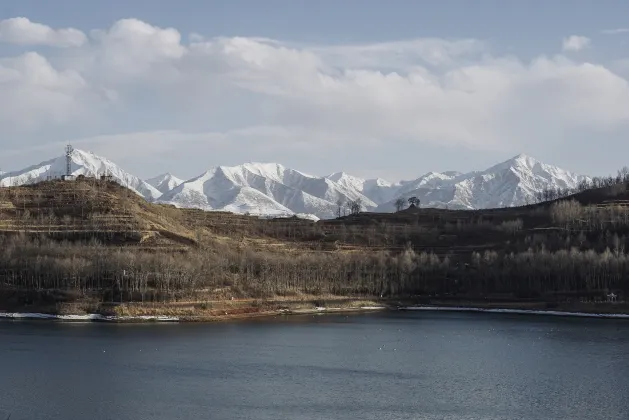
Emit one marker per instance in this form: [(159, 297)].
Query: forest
[(98, 242)]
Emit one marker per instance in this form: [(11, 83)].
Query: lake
[(396, 365)]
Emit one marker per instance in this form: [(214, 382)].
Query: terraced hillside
[(98, 244), (90, 209)]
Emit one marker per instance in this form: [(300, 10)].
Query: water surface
[(398, 365)]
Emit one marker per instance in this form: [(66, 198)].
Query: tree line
[(118, 274), (621, 179)]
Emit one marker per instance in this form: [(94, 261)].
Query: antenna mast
[(69, 150)]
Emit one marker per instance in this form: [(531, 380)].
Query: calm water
[(376, 366)]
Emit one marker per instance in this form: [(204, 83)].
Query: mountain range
[(270, 189)]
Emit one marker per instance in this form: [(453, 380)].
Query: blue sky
[(525, 25), (391, 89)]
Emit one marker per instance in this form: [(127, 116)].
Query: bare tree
[(355, 206), (339, 207), (400, 203)]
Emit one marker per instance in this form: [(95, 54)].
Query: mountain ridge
[(81, 163), (164, 182), (269, 189)]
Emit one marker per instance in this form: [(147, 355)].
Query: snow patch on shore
[(513, 311), (87, 317)]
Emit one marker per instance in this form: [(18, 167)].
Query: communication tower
[(69, 150)]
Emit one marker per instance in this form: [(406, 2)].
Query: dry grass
[(83, 208)]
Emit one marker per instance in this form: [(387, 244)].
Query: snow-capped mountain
[(263, 188), (270, 189), (164, 182), (83, 163), (511, 183), (377, 190)]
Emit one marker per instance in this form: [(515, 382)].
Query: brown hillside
[(89, 208)]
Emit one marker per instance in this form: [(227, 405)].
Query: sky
[(377, 89)]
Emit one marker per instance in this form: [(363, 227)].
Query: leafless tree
[(355, 206), (400, 203), (339, 207)]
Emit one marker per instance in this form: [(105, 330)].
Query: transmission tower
[(69, 150)]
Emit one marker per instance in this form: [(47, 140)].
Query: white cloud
[(262, 99), (132, 49), (431, 51), (22, 31), (576, 43), (34, 93), (615, 31)]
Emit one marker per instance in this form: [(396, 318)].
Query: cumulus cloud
[(134, 48), (33, 92), (576, 43), (265, 99), (22, 31)]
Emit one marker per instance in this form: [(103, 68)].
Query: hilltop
[(89, 208), (81, 163)]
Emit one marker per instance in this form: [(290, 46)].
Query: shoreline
[(157, 318), (17, 316), (541, 312)]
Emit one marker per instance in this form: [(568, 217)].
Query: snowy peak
[(520, 162), (528, 169), (513, 182), (524, 160), (81, 163), (227, 187), (164, 182), (271, 189), (273, 171), (350, 181), (377, 190), (347, 181), (429, 180)]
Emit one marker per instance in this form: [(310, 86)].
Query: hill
[(89, 208), (81, 163), (102, 247)]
